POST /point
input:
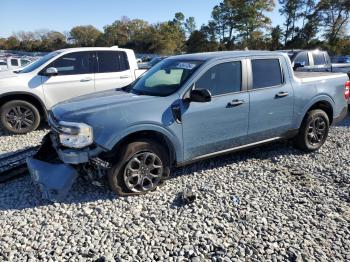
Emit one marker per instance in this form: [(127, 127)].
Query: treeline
[(235, 24)]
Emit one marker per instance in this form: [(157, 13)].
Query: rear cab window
[(319, 58), (112, 61), (222, 79), (266, 73), (302, 58)]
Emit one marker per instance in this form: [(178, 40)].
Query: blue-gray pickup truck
[(184, 109)]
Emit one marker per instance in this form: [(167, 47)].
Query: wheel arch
[(325, 106), (324, 103), (28, 97), (158, 136)]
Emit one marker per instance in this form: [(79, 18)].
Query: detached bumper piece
[(54, 180), (47, 171)]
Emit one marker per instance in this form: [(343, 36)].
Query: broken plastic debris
[(188, 196), (54, 180)]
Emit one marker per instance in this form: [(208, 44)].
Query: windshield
[(39, 62), (165, 78)]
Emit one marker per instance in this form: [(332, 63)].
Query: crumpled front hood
[(82, 107)]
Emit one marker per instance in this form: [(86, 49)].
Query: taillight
[(347, 90)]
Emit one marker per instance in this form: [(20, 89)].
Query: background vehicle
[(11, 63), (315, 61), (341, 59), (152, 62), (184, 109), (27, 94)]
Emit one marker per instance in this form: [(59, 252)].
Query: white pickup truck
[(26, 95), (11, 63)]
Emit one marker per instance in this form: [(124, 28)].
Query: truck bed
[(312, 76)]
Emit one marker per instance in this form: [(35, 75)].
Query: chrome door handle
[(124, 77), (282, 94), (235, 102), (87, 79)]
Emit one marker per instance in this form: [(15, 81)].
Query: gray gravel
[(270, 203), (12, 143)]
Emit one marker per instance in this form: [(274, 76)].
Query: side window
[(319, 58), (24, 62), (302, 59), (74, 64), (222, 79), (14, 62), (112, 61), (266, 73)]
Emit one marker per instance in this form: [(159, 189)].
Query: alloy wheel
[(143, 172), (317, 131), (20, 117)]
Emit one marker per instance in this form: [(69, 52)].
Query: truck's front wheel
[(141, 166), (313, 131), (19, 117)]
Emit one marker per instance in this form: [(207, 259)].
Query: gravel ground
[(270, 203), (11, 143)]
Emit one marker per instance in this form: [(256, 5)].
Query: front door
[(75, 77), (271, 100), (222, 123)]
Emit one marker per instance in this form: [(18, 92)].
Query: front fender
[(170, 134)]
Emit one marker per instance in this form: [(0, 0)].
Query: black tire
[(313, 131), (19, 117), (119, 177)]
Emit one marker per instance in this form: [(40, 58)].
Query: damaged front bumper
[(54, 180), (55, 169)]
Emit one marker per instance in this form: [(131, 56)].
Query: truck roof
[(75, 49), (225, 54)]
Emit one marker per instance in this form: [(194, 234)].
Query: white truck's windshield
[(39, 62), (166, 77)]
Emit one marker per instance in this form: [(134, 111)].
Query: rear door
[(271, 99), (75, 77), (113, 70)]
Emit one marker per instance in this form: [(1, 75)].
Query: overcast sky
[(62, 15)]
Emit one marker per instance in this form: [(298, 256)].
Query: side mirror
[(298, 65), (200, 95), (51, 71)]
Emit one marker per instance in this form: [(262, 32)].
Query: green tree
[(190, 25), (276, 36), (53, 40), (224, 16), (197, 42), (292, 10), (334, 19), (250, 19), (85, 35), (13, 43)]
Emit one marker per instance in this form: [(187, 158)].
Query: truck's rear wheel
[(313, 131), (19, 117), (142, 165)]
